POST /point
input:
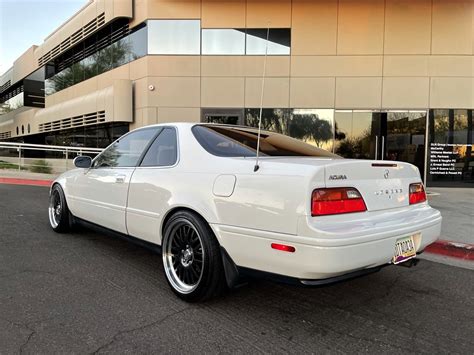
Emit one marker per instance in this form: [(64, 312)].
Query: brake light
[(417, 193), (336, 201)]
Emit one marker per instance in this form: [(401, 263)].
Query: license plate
[(404, 250)]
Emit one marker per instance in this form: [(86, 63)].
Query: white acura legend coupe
[(302, 215)]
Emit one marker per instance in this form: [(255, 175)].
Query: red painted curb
[(29, 182), (452, 249)]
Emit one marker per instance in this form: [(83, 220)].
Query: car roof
[(191, 124)]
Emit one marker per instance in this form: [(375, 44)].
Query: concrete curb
[(452, 249), (28, 182)]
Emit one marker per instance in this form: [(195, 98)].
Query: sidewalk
[(15, 174), (457, 208), (455, 204)]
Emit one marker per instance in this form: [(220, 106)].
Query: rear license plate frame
[(405, 249)]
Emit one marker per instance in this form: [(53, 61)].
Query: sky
[(24, 23)]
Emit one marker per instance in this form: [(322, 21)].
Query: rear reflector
[(417, 193), (283, 247), (336, 201)]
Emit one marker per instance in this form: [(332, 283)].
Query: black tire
[(58, 212), (190, 248)]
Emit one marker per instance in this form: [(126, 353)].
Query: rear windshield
[(230, 141)]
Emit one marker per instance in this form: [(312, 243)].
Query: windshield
[(234, 141)]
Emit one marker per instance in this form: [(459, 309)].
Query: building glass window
[(27, 92), (223, 42), (354, 133), (138, 43), (111, 47), (174, 37), (313, 126), (12, 104), (450, 154), (34, 89), (279, 41), (273, 119)]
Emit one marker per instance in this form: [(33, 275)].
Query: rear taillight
[(417, 193), (336, 201)]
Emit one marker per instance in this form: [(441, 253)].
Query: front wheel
[(191, 258), (59, 215)]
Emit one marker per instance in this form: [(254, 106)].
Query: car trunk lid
[(382, 184)]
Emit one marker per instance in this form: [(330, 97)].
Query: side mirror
[(83, 162)]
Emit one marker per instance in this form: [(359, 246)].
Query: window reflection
[(406, 137), (27, 92), (223, 42), (313, 126), (12, 104), (138, 43), (275, 120), (174, 37), (451, 157), (102, 52), (355, 133), (126, 151), (279, 41)]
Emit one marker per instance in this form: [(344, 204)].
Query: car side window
[(126, 151), (163, 151)]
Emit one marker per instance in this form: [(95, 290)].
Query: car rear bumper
[(316, 258)]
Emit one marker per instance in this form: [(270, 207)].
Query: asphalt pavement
[(87, 292)]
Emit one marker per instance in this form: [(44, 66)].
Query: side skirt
[(104, 230)]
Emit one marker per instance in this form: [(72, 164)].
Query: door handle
[(120, 179)]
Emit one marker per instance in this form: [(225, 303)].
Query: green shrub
[(40, 166), (7, 165)]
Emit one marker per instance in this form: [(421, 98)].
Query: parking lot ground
[(91, 293)]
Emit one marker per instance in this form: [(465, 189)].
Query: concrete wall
[(346, 54)]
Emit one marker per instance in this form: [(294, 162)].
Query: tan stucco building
[(382, 79)]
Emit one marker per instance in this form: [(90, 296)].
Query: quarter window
[(163, 151), (126, 151)]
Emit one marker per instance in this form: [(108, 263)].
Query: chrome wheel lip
[(171, 274), (54, 209)]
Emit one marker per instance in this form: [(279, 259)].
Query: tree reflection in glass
[(116, 54), (274, 120), (311, 126)]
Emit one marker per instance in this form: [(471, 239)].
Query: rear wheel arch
[(172, 212)]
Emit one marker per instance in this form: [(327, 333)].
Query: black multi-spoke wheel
[(191, 257), (58, 212)]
